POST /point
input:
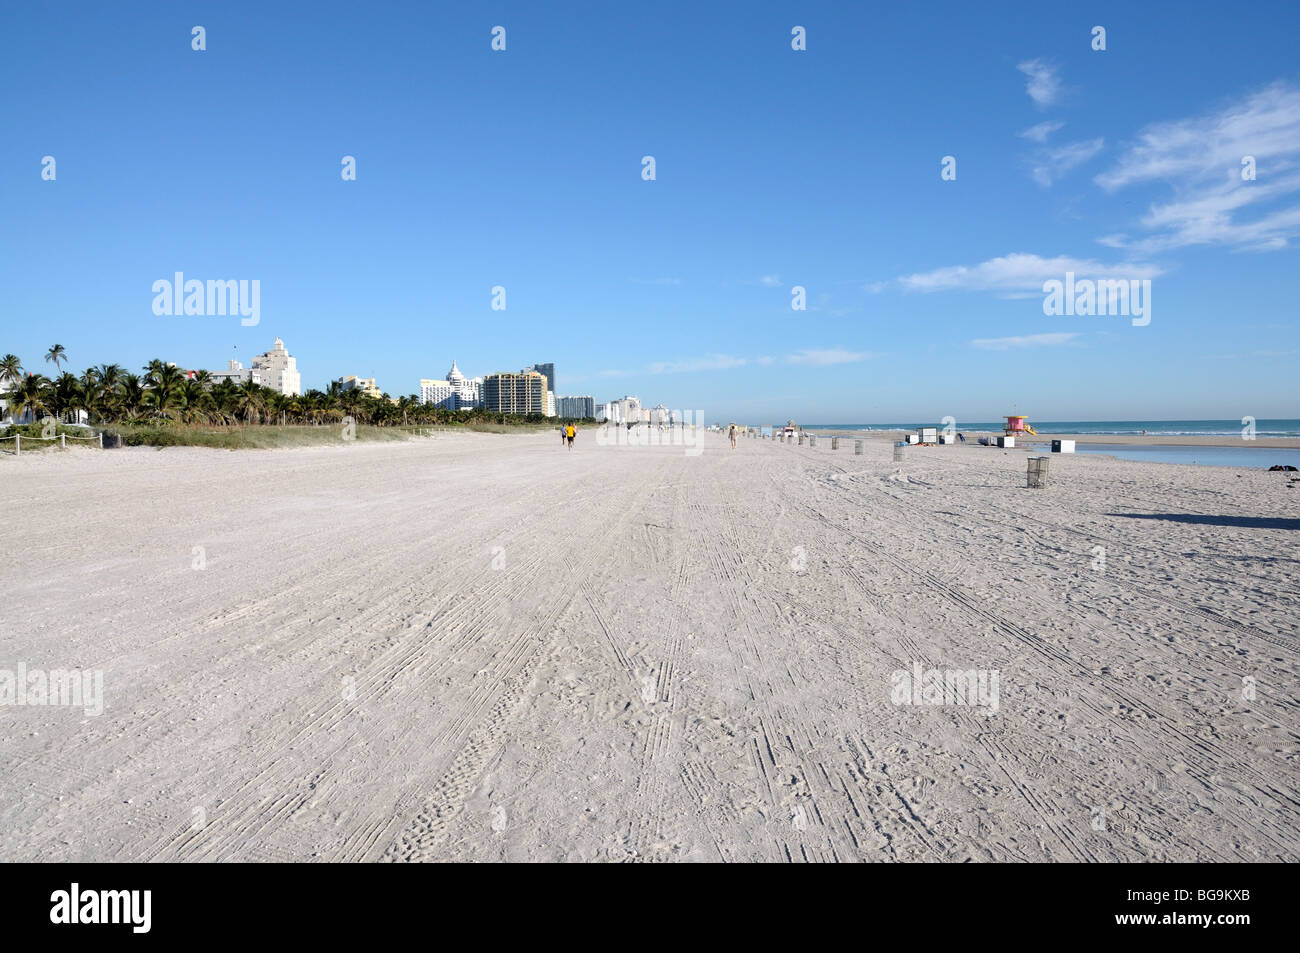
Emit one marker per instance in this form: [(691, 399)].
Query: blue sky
[(774, 168)]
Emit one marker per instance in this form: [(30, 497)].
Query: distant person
[(570, 432), (732, 433), (564, 433), (961, 437)]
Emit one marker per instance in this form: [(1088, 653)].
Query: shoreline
[(1127, 440)]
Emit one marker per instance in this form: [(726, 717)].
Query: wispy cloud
[(712, 362), (1051, 165), (1040, 132), (812, 357), (1020, 272), (770, 281), (1201, 158), (1052, 339), (1044, 84), (822, 357)]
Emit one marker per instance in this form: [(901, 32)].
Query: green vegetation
[(31, 432), (166, 406)]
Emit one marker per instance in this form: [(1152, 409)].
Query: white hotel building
[(276, 369), (455, 393)]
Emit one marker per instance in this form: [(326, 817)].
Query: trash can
[(899, 447), (857, 448), (835, 443), (1036, 477)]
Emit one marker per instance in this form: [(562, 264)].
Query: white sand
[(679, 658)]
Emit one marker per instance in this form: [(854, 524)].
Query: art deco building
[(456, 392), (276, 369)]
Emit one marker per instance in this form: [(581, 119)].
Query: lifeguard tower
[(1016, 425)]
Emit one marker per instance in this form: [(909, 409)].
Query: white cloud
[(1040, 132), (1020, 272), (713, 362), (1201, 159), (1052, 164), (1044, 85), (822, 357), (770, 281), (1053, 339)]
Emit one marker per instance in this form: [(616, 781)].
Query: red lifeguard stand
[(1015, 424)]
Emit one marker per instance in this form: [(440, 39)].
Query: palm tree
[(224, 394), (58, 353), (66, 396), (249, 400), (129, 397), (11, 372), (29, 396), (277, 405), (11, 369), (164, 393), (196, 401), (351, 401)]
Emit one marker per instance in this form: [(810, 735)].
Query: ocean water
[(1247, 457), (1264, 427)]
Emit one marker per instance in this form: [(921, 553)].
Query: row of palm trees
[(108, 393)]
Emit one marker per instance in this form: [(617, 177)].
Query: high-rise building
[(438, 393), (548, 371), (469, 390), (276, 369), (579, 407), (457, 392), (522, 393), (279, 369), (626, 410)]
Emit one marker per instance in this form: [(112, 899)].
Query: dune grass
[(256, 437), (252, 437)]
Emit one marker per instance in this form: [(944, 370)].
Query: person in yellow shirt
[(570, 432)]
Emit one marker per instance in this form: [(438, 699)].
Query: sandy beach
[(483, 647)]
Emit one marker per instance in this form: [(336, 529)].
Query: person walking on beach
[(732, 434), (570, 432), (564, 435)]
